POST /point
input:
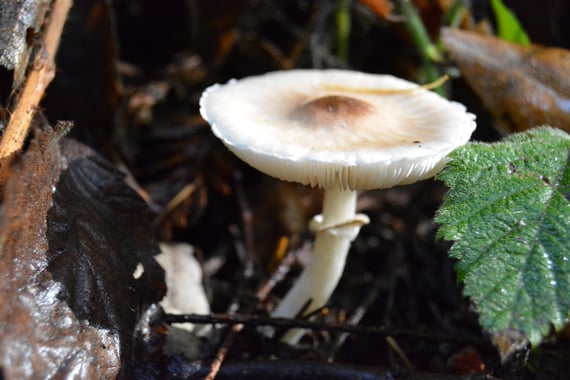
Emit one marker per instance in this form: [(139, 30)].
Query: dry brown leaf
[(381, 8), (521, 86)]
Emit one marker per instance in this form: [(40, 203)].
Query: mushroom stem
[(335, 228)]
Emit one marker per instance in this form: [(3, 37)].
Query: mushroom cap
[(324, 128)]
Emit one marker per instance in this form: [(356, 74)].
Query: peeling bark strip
[(39, 77), (18, 20), (71, 235)]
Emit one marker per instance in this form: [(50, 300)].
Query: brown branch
[(39, 77)]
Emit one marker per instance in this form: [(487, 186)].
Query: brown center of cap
[(330, 111)]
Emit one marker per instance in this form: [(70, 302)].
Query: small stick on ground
[(40, 76), (283, 267), (401, 354), (357, 315), (222, 351), (251, 263), (288, 323), (247, 275)]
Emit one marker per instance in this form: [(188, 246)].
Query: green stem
[(343, 29), (421, 39), (455, 14)]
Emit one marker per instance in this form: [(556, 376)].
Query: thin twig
[(247, 218), (257, 321), (182, 195), (234, 329), (400, 353), (223, 351), (428, 50), (358, 314), (39, 77), (277, 275), (247, 275)]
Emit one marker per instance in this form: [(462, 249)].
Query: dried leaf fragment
[(381, 8), (521, 86)]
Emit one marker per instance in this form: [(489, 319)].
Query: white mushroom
[(342, 131)]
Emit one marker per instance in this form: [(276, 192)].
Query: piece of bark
[(20, 21), (71, 236), (38, 78), (521, 86)]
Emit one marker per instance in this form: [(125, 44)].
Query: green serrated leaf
[(508, 213)]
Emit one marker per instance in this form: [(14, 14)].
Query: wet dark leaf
[(98, 230), (71, 236), (521, 86)]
